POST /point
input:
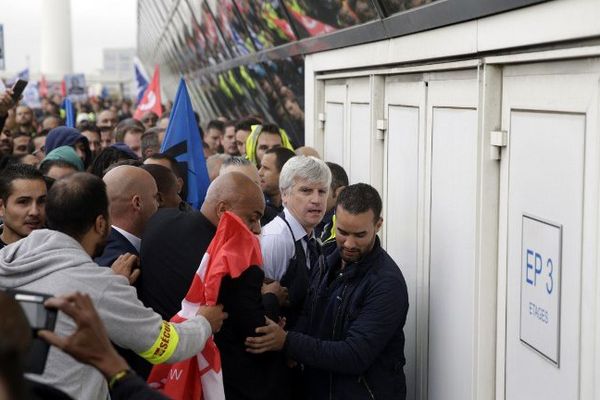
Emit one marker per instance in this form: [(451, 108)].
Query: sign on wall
[(540, 286)]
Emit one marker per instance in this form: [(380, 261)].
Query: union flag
[(151, 98), (233, 249)]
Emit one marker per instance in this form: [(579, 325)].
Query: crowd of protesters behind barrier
[(98, 208)]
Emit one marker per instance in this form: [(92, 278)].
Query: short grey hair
[(235, 161), (306, 168)]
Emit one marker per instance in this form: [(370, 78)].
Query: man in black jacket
[(350, 337), (172, 248), (133, 200)]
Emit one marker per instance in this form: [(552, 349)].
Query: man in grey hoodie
[(59, 261)]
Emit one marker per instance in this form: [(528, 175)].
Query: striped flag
[(233, 249), (141, 79), (151, 97)]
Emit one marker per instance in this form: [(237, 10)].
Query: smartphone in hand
[(18, 89), (39, 317)]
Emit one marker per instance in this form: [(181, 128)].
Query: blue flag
[(182, 141), (70, 113)]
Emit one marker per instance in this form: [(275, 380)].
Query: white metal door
[(403, 193), (348, 134), (548, 220), (336, 93), (452, 129), (359, 130)]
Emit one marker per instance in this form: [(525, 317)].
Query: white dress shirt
[(134, 240), (277, 245)]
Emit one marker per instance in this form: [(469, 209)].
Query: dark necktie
[(313, 251)]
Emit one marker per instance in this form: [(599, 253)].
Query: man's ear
[(337, 192), (378, 224), (160, 199), (2, 208), (179, 185), (221, 208), (100, 225), (136, 202), (284, 196)]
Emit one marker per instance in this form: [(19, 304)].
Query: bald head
[(307, 151), (237, 193), (132, 194)]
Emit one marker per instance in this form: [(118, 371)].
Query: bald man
[(173, 246), (307, 151), (132, 194), (174, 242)]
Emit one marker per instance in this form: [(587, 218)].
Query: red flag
[(151, 99), (285, 27), (63, 88), (312, 26), (233, 249), (43, 87)]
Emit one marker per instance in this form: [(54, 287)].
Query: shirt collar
[(134, 240), (297, 228)]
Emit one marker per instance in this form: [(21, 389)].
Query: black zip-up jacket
[(350, 337)]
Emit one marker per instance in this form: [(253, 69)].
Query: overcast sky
[(95, 25)]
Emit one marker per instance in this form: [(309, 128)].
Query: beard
[(351, 256)]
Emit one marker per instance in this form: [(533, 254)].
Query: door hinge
[(322, 118), (498, 139), (382, 126)]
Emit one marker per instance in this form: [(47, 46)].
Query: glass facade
[(246, 57), (394, 6), (318, 17)]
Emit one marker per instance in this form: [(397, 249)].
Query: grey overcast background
[(95, 25)]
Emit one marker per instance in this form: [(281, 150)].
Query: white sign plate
[(540, 287)]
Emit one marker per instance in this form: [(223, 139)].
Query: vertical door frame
[(422, 294), (558, 63)]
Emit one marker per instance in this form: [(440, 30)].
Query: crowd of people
[(96, 217)]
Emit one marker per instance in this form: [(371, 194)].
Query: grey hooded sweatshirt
[(54, 263)]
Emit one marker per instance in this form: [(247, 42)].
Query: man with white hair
[(289, 247)]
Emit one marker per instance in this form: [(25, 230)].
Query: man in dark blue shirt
[(350, 337)]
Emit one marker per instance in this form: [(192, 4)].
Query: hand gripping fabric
[(233, 249)]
